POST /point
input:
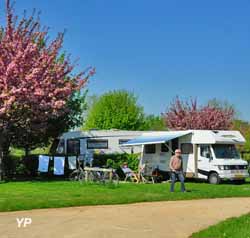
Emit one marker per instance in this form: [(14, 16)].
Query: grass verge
[(230, 228), (31, 195)]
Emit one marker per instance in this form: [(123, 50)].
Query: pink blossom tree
[(36, 84), (184, 115)]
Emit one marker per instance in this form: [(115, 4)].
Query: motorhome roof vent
[(216, 132)]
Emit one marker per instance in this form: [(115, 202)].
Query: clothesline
[(59, 164)]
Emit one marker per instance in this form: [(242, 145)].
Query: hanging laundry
[(59, 163), (72, 162), (43, 163)]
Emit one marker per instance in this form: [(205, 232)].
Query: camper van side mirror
[(208, 155)]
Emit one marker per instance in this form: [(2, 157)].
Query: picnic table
[(89, 170)]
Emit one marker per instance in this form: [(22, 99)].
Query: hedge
[(27, 167)]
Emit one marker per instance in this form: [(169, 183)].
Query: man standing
[(176, 167)]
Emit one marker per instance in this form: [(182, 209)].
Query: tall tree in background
[(183, 115), (115, 109), (244, 128), (36, 85), (154, 123)]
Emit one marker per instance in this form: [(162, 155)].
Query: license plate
[(236, 172), (238, 176)]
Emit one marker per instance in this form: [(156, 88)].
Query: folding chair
[(145, 174), (130, 175)]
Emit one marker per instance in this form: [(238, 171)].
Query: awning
[(155, 138)]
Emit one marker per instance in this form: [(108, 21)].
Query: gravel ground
[(173, 219)]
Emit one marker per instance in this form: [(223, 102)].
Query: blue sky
[(157, 49)]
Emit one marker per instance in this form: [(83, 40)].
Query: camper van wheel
[(73, 176), (213, 178)]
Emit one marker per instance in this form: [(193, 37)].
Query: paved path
[(174, 219)]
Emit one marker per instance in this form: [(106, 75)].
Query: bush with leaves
[(116, 160)]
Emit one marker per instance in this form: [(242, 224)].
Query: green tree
[(74, 117), (244, 128), (154, 123), (117, 109)]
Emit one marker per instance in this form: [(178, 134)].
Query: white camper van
[(207, 154), (94, 141)]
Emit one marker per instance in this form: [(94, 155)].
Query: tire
[(214, 178), (73, 176), (114, 180), (81, 177)]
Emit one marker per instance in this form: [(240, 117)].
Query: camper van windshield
[(226, 151)]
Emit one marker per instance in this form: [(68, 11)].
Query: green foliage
[(73, 117), (230, 228), (21, 169), (19, 153), (116, 160), (244, 128), (153, 123), (16, 163), (11, 163), (115, 109), (15, 152)]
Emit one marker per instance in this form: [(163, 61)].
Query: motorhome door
[(204, 160)]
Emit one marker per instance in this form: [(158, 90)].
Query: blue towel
[(59, 165), (43, 163)]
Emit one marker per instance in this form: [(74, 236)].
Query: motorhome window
[(121, 141), (150, 149), (97, 144), (165, 147), (186, 148), (54, 146), (225, 151), (205, 151), (61, 147), (73, 146)]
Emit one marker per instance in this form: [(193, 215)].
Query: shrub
[(116, 160)]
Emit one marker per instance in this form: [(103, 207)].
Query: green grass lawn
[(30, 195), (230, 228)]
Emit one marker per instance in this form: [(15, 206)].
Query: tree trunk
[(4, 151), (1, 162)]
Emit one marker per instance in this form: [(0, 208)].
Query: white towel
[(59, 165), (43, 163), (72, 162)]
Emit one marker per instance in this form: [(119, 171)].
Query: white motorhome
[(207, 154), (95, 141)]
